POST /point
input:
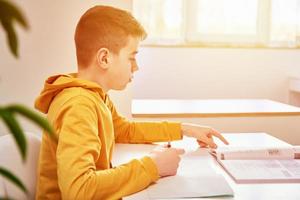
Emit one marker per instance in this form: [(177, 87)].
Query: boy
[(78, 165)]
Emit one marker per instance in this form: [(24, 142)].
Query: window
[(162, 19), (258, 23)]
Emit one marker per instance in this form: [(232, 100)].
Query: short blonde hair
[(104, 27)]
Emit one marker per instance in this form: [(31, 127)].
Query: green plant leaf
[(11, 37), (15, 129), (9, 13), (4, 198), (5, 173), (33, 116)]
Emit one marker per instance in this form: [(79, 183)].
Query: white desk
[(153, 108), (199, 162)]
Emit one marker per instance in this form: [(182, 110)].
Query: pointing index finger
[(218, 135)]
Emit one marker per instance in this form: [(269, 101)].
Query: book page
[(256, 153), (263, 171)]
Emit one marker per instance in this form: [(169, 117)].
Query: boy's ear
[(103, 56)]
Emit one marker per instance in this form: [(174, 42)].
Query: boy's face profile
[(107, 41), (123, 65)]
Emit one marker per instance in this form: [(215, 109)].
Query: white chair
[(10, 159)]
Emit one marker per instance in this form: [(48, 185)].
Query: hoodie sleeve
[(143, 132), (80, 148)]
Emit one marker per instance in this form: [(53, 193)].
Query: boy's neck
[(87, 75)]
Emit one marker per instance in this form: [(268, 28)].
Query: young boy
[(78, 165)]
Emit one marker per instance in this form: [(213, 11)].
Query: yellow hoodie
[(78, 165)]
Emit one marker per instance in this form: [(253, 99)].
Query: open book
[(260, 165)]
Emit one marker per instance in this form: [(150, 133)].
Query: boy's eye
[(132, 59)]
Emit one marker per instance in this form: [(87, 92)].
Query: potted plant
[(9, 15)]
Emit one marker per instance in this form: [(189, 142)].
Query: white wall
[(215, 73), (48, 48)]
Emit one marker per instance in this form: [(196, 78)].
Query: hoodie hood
[(55, 84)]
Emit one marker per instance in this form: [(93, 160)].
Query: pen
[(169, 145)]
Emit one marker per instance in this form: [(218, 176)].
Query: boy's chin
[(121, 87)]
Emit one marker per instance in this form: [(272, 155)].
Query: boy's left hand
[(203, 134)]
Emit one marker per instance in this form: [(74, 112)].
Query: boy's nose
[(134, 67)]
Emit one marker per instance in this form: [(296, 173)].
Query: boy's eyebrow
[(135, 52)]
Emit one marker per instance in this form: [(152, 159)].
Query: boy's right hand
[(166, 160)]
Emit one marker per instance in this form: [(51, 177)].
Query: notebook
[(189, 187), (260, 165)]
